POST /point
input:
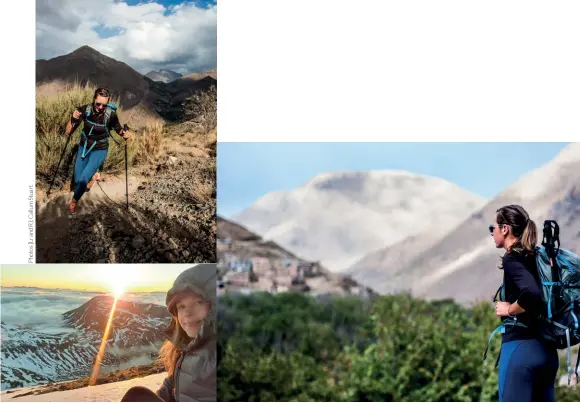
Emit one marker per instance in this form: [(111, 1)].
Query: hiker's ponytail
[(529, 237), (521, 227)]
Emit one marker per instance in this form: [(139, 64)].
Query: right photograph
[(398, 271)]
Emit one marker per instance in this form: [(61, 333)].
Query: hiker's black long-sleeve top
[(98, 132), (522, 284)]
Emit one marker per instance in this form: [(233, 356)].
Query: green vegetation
[(288, 347)]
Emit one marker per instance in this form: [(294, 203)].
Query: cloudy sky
[(147, 35), (247, 171), (41, 307)]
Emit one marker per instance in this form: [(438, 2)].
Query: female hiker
[(190, 355), (99, 119), (527, 366)]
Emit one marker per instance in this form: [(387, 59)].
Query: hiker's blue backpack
[(84, 136), (559, 272)]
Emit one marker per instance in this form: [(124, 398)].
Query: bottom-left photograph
[(90, 332)]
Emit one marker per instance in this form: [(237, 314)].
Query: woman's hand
[(125, 134), (501, 308), (76, 114)]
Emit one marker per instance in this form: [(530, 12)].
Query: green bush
[(291, 346)]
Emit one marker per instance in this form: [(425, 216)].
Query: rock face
[(463, 264), (340, 217)]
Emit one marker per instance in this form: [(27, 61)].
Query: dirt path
[(171, 218)]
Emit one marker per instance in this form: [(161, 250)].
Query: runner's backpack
[(111, 107), (559, 272)]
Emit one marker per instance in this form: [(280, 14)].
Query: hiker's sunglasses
[(100, 105), (492, 227)]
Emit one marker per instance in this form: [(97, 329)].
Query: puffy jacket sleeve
[(166, 390), (530, 293), (201, 380)]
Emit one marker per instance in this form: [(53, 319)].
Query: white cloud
[(43, 307), (148, 36), (39, 307)]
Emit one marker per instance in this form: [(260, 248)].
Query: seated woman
[(190, 356)]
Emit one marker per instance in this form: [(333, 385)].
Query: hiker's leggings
[(85, 168), (527, 371)]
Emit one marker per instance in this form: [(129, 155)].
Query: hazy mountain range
[(396, 231), (340, 217)]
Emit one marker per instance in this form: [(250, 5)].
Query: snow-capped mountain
[(134, 324), (32, 357), (163, 75), (339, 217)]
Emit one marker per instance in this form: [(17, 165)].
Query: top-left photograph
[(126, 131)]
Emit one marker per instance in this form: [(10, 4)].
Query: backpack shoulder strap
[(111, 107), (108, 111), (88, 110)]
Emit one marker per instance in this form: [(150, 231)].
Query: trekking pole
[(126, 128), (60, 160)]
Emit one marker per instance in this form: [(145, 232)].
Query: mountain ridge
[(32, 357), (86, 65), (376, 208), (462, 264)]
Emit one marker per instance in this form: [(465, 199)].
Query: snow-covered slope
[(110, 392), (339, 217), (134, 324), (32, 357)]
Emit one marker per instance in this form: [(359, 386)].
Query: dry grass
[(202, 109), (150, 141), (202, 192), (54, 110), (204, 189)]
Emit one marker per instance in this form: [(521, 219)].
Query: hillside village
[(246, 263)]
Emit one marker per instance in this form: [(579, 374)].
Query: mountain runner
[(527, 366), (190, 356), (99, 119)]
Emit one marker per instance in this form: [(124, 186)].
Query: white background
[(346, 71)]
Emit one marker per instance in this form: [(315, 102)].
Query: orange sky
[(93, 277)]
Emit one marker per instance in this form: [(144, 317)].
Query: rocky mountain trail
[(171, 215)]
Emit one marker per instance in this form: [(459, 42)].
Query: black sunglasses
[(100, 104), (492, 227)]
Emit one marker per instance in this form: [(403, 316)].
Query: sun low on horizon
[(115, 280)]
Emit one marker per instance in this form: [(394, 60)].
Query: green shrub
[(291, 346)]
